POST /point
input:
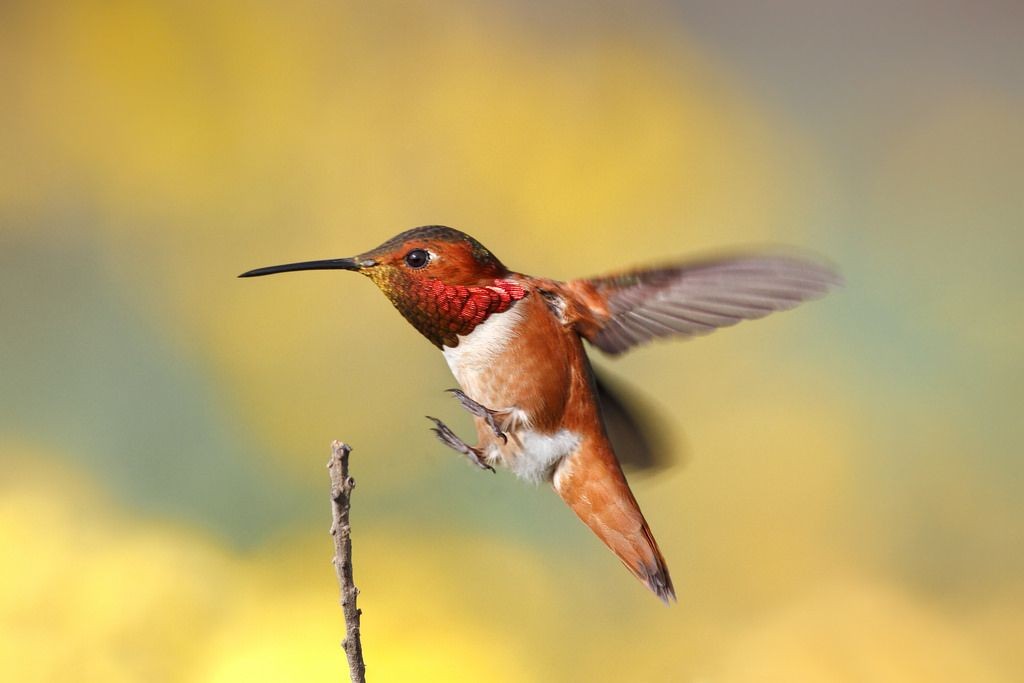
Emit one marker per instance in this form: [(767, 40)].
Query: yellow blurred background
[(846, 503)]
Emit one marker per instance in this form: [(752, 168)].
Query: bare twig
[(341, 496)]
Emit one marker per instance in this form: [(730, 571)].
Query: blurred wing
[(637, 436), (695, 298)]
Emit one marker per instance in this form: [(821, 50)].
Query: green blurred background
[(846, 504)]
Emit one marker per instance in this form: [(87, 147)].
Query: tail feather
[(591, 482)]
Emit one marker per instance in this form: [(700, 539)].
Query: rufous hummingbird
[(515, 345)]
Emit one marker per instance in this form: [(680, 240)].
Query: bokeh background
[(846, 501)]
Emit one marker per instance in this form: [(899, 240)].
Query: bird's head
[(439, 278)]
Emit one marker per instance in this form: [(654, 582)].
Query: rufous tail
[(591, 482)]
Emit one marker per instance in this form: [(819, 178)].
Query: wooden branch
[(341, 497)]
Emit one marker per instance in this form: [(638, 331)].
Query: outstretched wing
[(694, 298)]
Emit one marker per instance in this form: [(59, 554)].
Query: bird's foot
[(449, 438), (480, 411)]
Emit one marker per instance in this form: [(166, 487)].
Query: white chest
[(478, 350)]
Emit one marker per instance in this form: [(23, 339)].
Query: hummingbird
[(515, 344)]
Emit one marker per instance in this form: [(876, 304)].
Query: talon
[(446, 436), (480, 411)]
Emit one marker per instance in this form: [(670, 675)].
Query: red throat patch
[(442, 312)]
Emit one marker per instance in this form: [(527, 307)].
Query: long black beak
[(328, 264)]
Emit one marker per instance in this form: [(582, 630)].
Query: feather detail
[(591, 482), (444, 312), (618, 312)]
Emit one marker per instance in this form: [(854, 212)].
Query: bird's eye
[(417, 258)]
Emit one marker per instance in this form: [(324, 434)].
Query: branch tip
[(341, 499)]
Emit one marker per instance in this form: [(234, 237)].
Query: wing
[(637, 435), (622, 311)]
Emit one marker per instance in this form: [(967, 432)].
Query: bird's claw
[(480, 411), (446, 436)]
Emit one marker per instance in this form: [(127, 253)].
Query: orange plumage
[(515, 344)]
